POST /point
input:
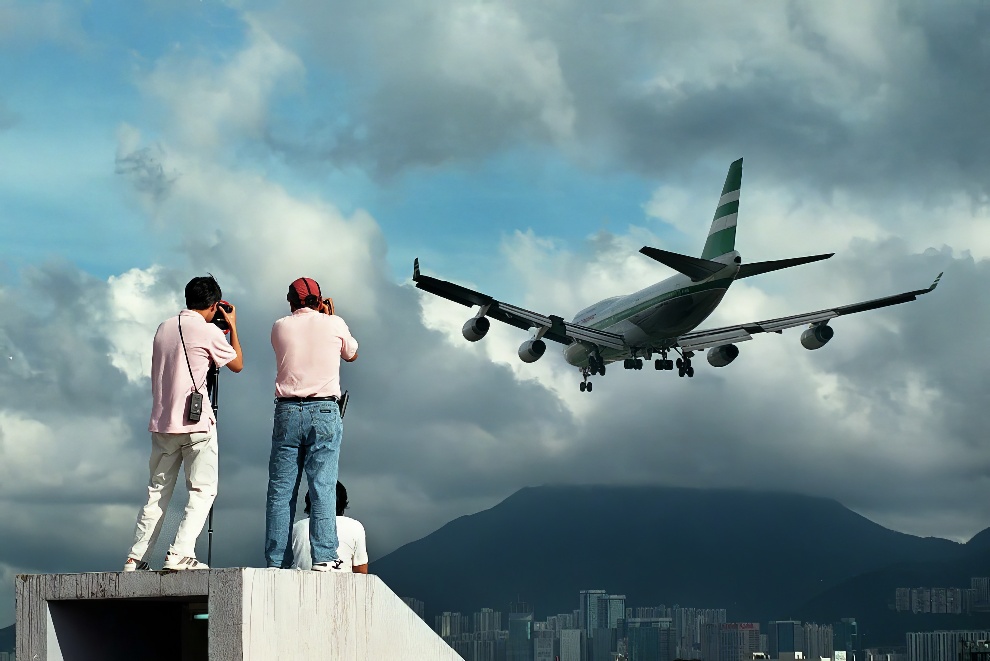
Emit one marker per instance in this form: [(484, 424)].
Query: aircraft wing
[(697, 340), (554, 327)]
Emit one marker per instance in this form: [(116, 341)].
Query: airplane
[(661, 318)]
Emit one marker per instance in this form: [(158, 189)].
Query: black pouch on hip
[(195, 407)]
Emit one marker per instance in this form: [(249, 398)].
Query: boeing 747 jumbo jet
[(661, 318)]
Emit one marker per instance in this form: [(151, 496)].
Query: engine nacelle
[(532, 350), (475, 329), (817, 336), (723, 355)]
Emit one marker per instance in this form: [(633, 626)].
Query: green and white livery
[(661, 319)]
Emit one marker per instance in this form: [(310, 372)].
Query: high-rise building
[(591, 611), (519, 646), (981, 584), (615, 610), (818, 641), (487, 620), (783, 637), (651, 639), (940, 645), (687, 625), (449, 625), (572, 645), (543, 645), (417, 606), (845, 636), (730, 641), (601, 645)]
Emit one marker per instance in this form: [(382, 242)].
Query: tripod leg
[(209, 543)]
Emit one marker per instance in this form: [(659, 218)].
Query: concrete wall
[(254, 614)]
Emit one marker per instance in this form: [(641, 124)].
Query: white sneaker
[(133, 564), (333, 565), (176, 562)]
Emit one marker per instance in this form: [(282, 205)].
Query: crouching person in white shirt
[(352, 549)]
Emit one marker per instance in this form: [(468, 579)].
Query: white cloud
[(135, 311), (212, 101)]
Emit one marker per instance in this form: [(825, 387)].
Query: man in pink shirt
[(183, 350), (306, 436)]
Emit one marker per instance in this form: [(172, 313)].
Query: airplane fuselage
[(652, 318)]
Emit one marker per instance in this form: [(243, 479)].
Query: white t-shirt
[(351, 545)]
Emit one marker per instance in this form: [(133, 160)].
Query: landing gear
[(595, 364), (633, 363), (662, 363), (585, 384), (684, 367)]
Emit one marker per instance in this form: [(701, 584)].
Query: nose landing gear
[(585, 384)]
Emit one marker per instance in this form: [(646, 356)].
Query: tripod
[(213, 392)]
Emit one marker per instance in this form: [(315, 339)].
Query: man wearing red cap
[(309, 344)]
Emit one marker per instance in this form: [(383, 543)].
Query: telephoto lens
[(219, 320)]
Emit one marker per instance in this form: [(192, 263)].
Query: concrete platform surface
[(218, 614)]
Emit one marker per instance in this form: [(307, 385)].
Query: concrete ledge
[(256, 614)]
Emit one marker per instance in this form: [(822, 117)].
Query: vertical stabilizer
[(722, 235)]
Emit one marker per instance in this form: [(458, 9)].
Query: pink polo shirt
[(308, 348), (170, 382)]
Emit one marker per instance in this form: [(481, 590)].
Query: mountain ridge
[(760, 555)]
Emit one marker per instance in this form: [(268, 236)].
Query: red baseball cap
[(305, 288)]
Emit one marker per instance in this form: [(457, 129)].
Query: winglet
[(935, 284), (415, 269)]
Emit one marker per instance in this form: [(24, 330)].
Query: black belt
[(331, 398)]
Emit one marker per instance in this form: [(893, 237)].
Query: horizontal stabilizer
[(693, 267), (756, 268)]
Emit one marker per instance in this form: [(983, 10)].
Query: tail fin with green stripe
[(722, 235)]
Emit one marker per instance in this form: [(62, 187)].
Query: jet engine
[(723, 355), (817, 336), (475, 329), (532, 350)]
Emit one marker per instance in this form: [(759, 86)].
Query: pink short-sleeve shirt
[(170, 382), (308, 348)]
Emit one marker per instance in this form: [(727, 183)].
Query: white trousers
[(197, 453)]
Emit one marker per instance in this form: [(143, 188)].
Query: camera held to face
[(219, 320)]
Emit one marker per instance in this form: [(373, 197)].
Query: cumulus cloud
[(209, 101), (834, 119), (438, 81)]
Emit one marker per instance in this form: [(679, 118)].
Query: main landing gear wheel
[(684, 368), (596, 365), (633, 363), (663, 364)]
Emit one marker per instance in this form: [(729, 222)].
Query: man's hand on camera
[(231, 316), (326, 306)]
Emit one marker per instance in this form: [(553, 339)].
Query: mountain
[(759, 555), (873, 593), (7, 639)]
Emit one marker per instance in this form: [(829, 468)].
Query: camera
[(218, 319), (329, 303)]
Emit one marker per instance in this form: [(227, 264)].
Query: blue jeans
[(306, 437)]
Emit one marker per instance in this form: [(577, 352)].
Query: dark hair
[(341, 500), (202, 292)]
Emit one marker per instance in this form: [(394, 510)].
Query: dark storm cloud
[(907, 117)]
